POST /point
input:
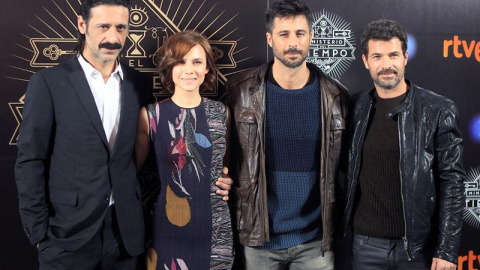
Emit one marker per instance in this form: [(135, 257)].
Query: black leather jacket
[(431, 170), (246, 98)]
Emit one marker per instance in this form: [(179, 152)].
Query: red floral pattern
[(181, 161), (181, 146)]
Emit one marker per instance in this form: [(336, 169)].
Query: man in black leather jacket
[(405, 191)]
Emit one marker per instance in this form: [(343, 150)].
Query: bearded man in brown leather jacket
[(288, 120)]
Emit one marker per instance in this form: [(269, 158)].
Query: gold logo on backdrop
[(52, 38), (16, 108)]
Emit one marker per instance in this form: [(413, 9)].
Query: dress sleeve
[(153, 111)]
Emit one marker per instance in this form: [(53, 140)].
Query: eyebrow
[(295, 31), (109, 24), (389, 53)]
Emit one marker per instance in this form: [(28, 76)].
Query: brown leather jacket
[(245, 96)]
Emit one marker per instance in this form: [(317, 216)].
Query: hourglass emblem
[(323, 26), (136, 36)]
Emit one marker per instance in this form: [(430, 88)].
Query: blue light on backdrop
[(475, 129), (412, 46)]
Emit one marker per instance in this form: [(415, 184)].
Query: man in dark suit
[(79, 198)]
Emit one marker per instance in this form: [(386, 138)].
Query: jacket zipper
[(356, 161), (322, 246), (264, 213), (405, 239), (263, 208)]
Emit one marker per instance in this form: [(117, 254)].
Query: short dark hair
[(172, 52), (383, 30), (85, 9), (286, 9)]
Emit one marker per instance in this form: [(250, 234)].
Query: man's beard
[(290, 63), (389, 84)]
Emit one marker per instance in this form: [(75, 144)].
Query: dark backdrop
[(444, 57)]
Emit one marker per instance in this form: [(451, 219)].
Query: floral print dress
[(192, 227)]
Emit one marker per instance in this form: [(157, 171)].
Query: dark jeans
[(307, 256), (104, 251), (377, 253)]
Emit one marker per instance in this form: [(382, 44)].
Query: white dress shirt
[(107, 97)]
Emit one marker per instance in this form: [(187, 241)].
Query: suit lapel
[(82, 89), (127, 96)]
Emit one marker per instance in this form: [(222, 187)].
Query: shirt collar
[(90, 70)]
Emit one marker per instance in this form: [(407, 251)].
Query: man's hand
[(439, 264), (224, 183)]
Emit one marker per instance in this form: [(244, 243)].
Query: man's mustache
[(293, 50), (110, 46), (387, 71)]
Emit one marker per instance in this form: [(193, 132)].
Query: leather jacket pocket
[(337, 128), (247, 127), (244, 204), (338, 123)]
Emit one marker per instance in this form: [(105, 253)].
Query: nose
[(113, 36), (386, 63), (188, 69), (291, 41)]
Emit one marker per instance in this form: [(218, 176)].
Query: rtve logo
[(469, 262), (461, 48)]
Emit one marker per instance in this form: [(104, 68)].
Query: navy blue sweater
[(293, 129)]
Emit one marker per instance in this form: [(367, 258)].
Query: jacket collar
[(260, 76), (80, 85), (405, 104)]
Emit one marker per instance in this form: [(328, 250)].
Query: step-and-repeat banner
[(444, 56)]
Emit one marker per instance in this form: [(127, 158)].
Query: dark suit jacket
[(65, 169)]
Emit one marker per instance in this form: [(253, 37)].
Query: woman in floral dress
[(192, 227)]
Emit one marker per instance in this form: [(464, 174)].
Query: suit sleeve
[(34, 149), (449, 152)]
